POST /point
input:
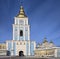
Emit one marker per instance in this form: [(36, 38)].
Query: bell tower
[(21, 28), (21, 36)]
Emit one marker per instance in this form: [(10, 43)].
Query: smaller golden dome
[(45, 40), (21, 13), (51, 41)]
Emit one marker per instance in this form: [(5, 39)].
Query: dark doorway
[(8, 53), (21, 53)]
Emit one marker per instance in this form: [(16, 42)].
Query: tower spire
[(45, 40), (21, 13)]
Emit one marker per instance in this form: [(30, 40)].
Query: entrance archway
[(8, 53), (21, 53)]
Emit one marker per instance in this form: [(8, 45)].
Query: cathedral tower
[(21, 36), (21, 28)]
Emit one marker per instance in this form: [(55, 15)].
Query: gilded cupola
[(45, 40), (21, 13)]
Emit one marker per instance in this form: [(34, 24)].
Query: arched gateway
[(21, 53), (21, 36)]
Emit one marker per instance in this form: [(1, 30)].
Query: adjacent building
[(3, 49), (47, 49)]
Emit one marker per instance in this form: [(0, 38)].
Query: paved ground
[(17, 57)]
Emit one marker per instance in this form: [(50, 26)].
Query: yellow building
[(47, 49), (3, 49)]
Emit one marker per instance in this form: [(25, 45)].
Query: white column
[(13, 31), (55, 53), (14, 20), (29, 47), (18, 21), (12, 49), (28, 32), (18, 32), (24, 33)]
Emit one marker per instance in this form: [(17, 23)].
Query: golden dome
[(45, 40), (51, 41), (21, 13)]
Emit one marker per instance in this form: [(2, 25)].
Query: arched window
[(21, 33)]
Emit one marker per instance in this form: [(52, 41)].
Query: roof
[(45, 40), (21, 13), (51, 41)]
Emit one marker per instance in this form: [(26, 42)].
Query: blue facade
[(21, 38), (9, 46), (26, 33), (16, 37), (21, 32), (14, 48), (58, 53), (27, 48), (32, 48)]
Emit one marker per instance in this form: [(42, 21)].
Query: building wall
[(2, 46), (21, 46), (3, 50), (45, 52), (15, 46), (21, 24), (32, 47), (58, 52)]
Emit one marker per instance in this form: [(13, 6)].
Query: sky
[(44, 19)]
